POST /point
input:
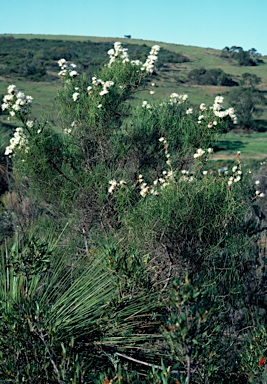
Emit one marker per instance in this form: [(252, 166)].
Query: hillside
[(35, 69)]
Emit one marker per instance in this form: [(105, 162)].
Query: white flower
[(189, 111), (218, 100), (146, 105), (99, 106), (113, 184), (238, 178), (61, 62), (199, 153), (29, 99), (104, 92), (29, 123), (257, 182), (152, 92), (205, 173), (111, 52), (11, 89), (5, 106), (144, 192), (210, 150), (7, 98), (20, 95), (75, 96), (202, 107), (73, 73), (234, 169), (16, 107)]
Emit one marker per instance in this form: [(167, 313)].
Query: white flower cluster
[(223, 171), (236, 175), (189, 111), (161, 182), (105, 85), (149, 64), (258, 193), (114, 184), (136, 62), (220, 112), (76, 96), (200, 152), (177, 99), (16, 101), (186, 176), (118, 52), (236, 172), (166, 146), (18, 141), (146, 105), (67, 68)]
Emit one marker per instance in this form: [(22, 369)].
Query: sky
[(202, 23)]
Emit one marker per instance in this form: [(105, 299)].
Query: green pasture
[(43, 94), (251, 145)]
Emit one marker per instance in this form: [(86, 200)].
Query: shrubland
[(126, 257)]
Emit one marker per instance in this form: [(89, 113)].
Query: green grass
[(43, 94), (251, 145)]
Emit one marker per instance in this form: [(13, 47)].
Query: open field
[(251, 146)]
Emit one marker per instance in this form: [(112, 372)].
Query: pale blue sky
[(203, 23)]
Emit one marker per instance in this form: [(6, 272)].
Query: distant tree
[(214, 76), (249, 80), (243, 58), (248, 100)]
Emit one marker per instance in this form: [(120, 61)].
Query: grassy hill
[(176, 61)]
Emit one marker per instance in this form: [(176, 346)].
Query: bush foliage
[(128, 258)]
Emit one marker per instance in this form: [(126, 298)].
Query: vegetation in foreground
[(125, 257)]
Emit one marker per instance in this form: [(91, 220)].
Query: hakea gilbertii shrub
[(157, 275)]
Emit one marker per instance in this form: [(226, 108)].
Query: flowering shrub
[(146, 211)]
